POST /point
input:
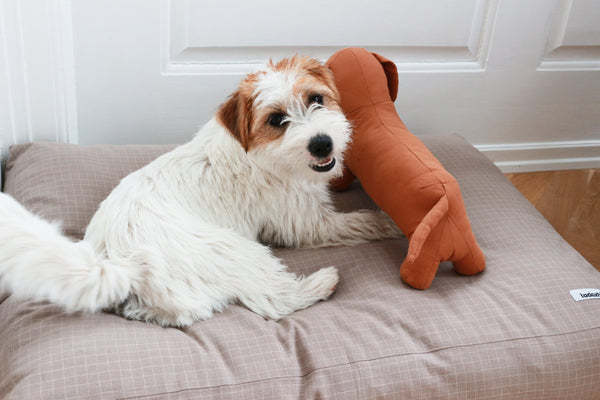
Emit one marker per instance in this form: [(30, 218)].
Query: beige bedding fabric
[(512, 332)]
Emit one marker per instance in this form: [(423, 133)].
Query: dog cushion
[(66, 183), (513, 331)]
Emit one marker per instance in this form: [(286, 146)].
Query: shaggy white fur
[(181, 238)]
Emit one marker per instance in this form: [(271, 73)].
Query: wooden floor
[(570, 201)]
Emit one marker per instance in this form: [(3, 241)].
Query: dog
[(188, 234)]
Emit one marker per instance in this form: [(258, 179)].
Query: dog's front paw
[(284, 293)]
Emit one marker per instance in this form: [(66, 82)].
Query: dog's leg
[(213, 267), (351, 228), (268, 289)]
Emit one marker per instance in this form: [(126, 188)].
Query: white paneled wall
[(520, 80), (403, 30), (37, 76)]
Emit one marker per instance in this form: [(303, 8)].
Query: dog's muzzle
[(321, 147)]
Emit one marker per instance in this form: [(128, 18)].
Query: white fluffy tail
[(38, 262)]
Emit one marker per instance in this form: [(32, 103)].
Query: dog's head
[(288, 117)]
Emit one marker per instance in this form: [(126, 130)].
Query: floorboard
[(570, 201)]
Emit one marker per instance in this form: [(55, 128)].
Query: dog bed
[(514, 331)]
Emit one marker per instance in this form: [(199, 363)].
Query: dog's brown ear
[(329, 80), (236, 115), (391, 72), (323, 73)]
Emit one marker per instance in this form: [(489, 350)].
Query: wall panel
[(574, 37)]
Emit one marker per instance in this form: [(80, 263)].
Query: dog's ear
[(391, 72), (323, 73), (329, 80), (236, 115)]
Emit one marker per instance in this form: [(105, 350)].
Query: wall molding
[(63, 70), (569, 65), (543, 156), (38, 72), (181, 55), (569, 50)]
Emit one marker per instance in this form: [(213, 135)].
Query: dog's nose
[(320, 145)]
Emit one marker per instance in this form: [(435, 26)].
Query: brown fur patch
[(249, 125), (309, 68), (237, 112), (264, 133)]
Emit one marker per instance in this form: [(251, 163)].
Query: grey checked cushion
[(511, 332), (66, 183)]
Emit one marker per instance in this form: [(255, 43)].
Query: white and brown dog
[(181, 238)]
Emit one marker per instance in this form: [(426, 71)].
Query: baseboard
[(543, 156)]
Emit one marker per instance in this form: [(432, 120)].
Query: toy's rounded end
[(472, 264), (419, 275)]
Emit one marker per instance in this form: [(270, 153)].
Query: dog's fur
[(181, 238)]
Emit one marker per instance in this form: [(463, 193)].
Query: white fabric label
[(585, 294)]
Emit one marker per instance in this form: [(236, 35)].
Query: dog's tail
[(38, 262)]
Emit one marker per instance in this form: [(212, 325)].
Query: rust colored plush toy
[(399, 173)]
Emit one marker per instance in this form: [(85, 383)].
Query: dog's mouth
[(325, 165)]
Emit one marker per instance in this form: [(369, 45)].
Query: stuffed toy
[(399, 173)]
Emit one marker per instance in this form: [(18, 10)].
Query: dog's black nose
[(320, 146)]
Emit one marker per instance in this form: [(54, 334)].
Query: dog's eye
[(315, 98), (277, 120)]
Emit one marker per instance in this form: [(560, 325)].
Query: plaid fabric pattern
[(511, 332)]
